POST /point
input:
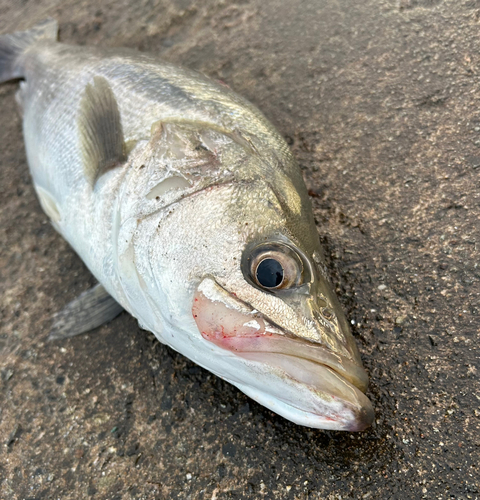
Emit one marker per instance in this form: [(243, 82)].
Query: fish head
[(239, 267)]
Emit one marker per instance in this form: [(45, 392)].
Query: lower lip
[(323, 393)]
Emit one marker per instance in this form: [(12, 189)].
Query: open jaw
[(307, 382)]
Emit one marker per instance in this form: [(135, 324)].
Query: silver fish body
[(188, 207)]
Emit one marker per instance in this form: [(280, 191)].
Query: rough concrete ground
[(380, 101)]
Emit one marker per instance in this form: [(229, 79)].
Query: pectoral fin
[(100, 129), (89, 310)]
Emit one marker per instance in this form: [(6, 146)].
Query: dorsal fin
[(100, 128)]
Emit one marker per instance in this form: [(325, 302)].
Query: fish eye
[(273, 266), (269, 273)]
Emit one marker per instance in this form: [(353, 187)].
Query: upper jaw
[(275, 343)]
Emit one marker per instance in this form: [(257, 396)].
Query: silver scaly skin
[(185, 203)]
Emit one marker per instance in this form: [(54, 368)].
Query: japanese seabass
[(188, 207)]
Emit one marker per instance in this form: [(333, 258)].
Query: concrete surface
[(380, 101)]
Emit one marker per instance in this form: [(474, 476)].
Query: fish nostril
[(321, 302), (324, 312), (327, 314), (319, 318)]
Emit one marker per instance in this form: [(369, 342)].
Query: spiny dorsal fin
[(100, 129)]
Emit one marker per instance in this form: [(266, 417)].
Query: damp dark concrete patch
[(380, 103)]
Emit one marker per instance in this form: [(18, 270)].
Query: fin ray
[(100, 128), (14, 44), (88, 311)]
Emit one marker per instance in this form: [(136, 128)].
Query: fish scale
[(173, 190)]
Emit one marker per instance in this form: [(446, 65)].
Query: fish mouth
[(281, 345), (336, 383), (333, 402)]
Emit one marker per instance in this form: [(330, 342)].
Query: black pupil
[(269, 273)]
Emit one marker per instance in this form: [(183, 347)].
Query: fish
[(190, 210)]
